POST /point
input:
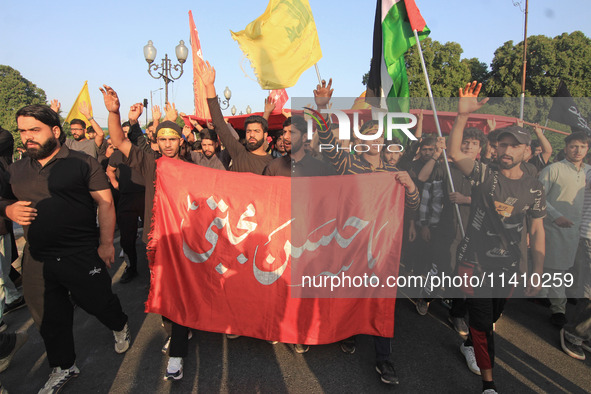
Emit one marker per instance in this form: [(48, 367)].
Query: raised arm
[(269, 107), (115, 131), (86, 110), (55, 106), (427, 169), (544, 143), (207, 75), (467, 104)]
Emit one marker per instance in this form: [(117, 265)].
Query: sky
[(60, 44)]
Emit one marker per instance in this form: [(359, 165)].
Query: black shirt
[(130, 180), (144, 162), (60, 191), (497, 217), (242, 159), (307, 166)]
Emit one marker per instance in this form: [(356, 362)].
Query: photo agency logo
[(350, 132)]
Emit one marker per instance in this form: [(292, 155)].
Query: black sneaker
[(575, 351), (348, 346), (558, 319), (387, 372), (13, 306), (128, 275)]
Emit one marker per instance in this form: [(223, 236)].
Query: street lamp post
[(166, 68), (228, 95)]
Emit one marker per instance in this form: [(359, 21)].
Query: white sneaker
[(174, 370), (57, 378), (122, 339), (468, 352), (490, 391)]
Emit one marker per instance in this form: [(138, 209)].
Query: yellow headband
[(166, 132)]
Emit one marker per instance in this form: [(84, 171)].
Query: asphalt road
[(426, 355)]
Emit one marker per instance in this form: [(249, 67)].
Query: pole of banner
[(451, 184), (318, 73), (522, 97)]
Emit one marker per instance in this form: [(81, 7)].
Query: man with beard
[(249, 158), (78, 129), (208, 157), (297, 162), (168, 137), (52, 193), (504, 199)]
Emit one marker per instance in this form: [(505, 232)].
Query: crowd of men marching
[(519, 215)]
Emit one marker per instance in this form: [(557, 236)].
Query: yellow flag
[(281, 44), (82, 96)]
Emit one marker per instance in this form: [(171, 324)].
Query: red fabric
[(201, 107), (446, 120), (414, 16), (280, 97), (481, 345), (234, 290)]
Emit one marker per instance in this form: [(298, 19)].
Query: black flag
[(565, 111)]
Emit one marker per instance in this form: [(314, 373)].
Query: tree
[(566, 57), (447, 72), (16, 92)]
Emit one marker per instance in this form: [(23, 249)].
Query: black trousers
[(179, 339), (130, 207), (47, 286)]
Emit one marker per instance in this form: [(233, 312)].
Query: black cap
[(521, 135), (170, 126)]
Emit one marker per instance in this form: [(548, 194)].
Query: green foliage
[(16, 92), (566, 57)]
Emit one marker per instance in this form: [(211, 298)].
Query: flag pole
[(318, 73), (432, 101)]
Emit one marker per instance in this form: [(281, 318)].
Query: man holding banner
[(169, 142)]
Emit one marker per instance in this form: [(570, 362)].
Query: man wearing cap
[(503, 197), (168, 138)]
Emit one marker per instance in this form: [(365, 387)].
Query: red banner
[(201, 107), (280, 97), (261, 256)]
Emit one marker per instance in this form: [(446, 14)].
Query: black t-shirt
[(242, 159), (60, 191), (308, 166), (538, 162), (144, 162), (498, 216), (130, 180)]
